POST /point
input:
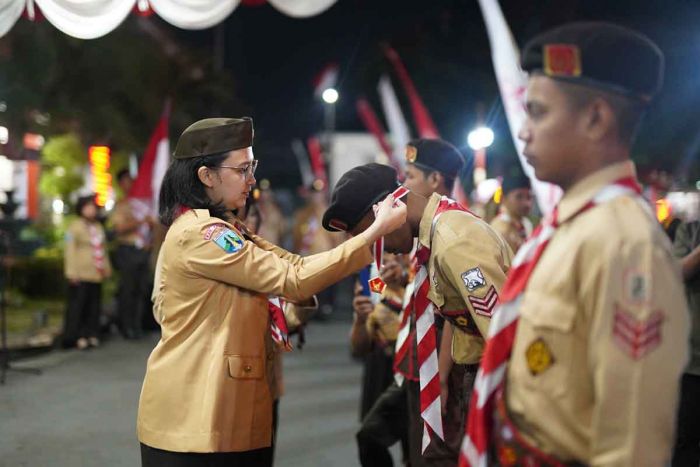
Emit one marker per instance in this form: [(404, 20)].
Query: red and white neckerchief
[(403, 340), (376, 284), (426, 336), (98, 250), (278, 323), (503, 326)]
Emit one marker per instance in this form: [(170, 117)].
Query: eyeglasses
[(247, 170)]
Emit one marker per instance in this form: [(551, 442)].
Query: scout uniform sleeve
[(637, 351), (281, 252), (107, 262), (222, 254), (475, 266), (70, 262)]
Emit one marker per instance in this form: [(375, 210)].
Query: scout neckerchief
[(275, 305), (404, 338), (426, 335), (492, 371), (98, 251)]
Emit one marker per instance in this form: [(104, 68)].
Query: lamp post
[(479, 139)]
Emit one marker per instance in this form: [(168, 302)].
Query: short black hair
[(182, 188), (82, 202), (123, 173), (448, 181)]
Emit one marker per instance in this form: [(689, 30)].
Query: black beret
[(435, 154), (600, 55), (214, 136), (355, 194), (514, 181)]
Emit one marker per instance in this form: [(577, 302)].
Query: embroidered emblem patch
[(485, 306), (411, 154), (637, 337), (507, 456), (377, 285), (562, 60), (635, 287), (473, 279), (539, 357), (228, 240), (212, 229)]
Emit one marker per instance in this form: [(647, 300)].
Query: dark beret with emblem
[(515, 181), (355, 194), (599, 55), (214, 136), (435, 154)]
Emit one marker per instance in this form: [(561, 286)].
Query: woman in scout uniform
[(86, 266), (206, 397)]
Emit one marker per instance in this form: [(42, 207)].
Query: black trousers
[(83, 312), (385, 424), (134, 288), (152, 457), (687, 451)]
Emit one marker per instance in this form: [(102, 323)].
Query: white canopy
[(89, 19)]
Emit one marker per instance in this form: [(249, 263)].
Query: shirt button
[(247, 368)]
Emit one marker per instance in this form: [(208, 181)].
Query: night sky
[(274, 58)]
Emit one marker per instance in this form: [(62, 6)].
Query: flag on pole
[(327, 78), (374, 126), (424, 123), (318, 165), (398, 128), (512, 83)]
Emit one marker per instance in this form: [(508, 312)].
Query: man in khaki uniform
[(512, 221), (602, 323), (466, 267)]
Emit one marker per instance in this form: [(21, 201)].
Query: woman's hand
[(389, 215)]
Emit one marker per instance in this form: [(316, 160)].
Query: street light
[(480, 138), (330, 96)]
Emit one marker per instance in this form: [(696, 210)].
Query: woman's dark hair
[(82, 202), (182, 187)]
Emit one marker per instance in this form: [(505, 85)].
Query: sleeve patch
[(485, 306), (637, 337), (636, 290), (228, 240), (473, 279)]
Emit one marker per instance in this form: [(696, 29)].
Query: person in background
[(86, 267), (132, 260), (512, 221), (686, 247)]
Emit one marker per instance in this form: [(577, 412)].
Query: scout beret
[(599, 55), (435, 154), (515, 181), (214, 136), (355, 194)]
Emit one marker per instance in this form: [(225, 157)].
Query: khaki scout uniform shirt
[(513, 231), (79, 262), (123, 214), (207, 385), (593, 375), (468, 263)]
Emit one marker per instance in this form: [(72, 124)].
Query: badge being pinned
[(473, 279), (228, 240)]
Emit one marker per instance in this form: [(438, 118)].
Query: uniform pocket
[(240, 367), (546, 344)]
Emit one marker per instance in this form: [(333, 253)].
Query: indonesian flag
[(512, 82), (398, 128), (144, 193), (327, 78)]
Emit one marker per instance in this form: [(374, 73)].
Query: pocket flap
[(241, 367), (548, 311)]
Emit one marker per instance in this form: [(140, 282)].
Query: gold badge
[(411, 154), (562, 60), (539, 357), (377, 285)]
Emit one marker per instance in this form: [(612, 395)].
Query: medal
[(376, 284)]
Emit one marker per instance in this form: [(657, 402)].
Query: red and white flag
[(512, 82), (374, 126), (327, 78), (398, 128)]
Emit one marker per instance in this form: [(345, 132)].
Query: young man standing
[(585, 352), (512, 222)]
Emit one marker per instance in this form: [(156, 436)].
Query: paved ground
[(81, 411)]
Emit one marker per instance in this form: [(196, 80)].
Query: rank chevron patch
[(484, 306), (637, 337)]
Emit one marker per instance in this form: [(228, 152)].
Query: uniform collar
[(584, 190), (426, 221)]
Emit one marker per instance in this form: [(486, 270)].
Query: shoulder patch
[(473, 279), (635, 287), (227, 239), (484, 306)]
